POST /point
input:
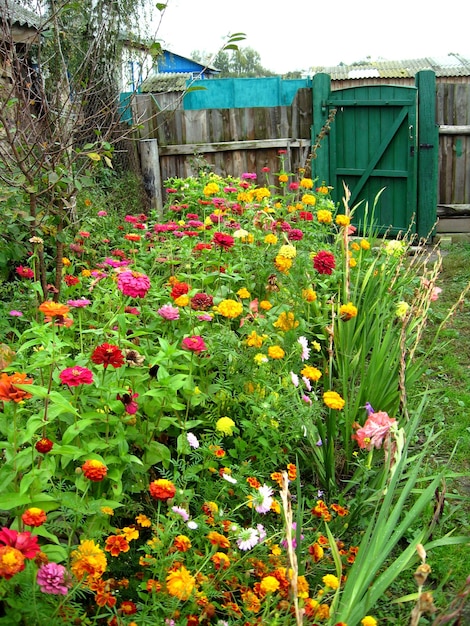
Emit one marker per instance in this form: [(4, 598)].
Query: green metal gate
[(373, 142)]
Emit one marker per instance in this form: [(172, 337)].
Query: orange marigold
[(94, 470), (220, 560), (180, 583), (11, 562), (182, 543), (162, 489), (115, 544), (88, 560), (216, 539), (34, 517)]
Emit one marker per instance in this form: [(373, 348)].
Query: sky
[(293, 35)]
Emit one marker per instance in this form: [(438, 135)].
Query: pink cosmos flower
[(195, 344), (52, 578), (169, 312), (374, 431), (102, 213), (181, 512), (76, 376), (295, 379), (133, 284), (15, 313)]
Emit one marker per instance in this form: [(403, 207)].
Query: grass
[(447, 378)]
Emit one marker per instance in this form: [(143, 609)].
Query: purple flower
[(79, 304), (16, 313), (368, 407), (169, 312), (51, 578)]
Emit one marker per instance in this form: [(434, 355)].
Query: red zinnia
[(179, 289), (223, 241), (44, 445), (324, 262), (76, 376), (162, 489), (24, 272), (94, 470), (201, 302), (26, 543), (128, 607), (71, 280), (107, 354)]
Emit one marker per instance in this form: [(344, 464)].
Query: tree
[(240, 62)]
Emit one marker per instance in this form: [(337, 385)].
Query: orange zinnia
[(53, 309), (8, 391), (162, 489), (94, 470)]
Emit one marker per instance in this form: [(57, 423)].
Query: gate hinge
[(426, 146)]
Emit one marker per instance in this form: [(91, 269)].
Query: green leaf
[(75, 429), (157, 452)]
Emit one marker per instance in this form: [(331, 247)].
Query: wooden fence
[(178, 143)]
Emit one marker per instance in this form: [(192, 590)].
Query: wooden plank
[(447, 129), (181, 149)]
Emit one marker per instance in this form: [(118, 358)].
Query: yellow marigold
[(310, 372), (229, 308), (86, 273), (180, 583), (323, 189), (316, 552), (225, 425), (347, 311), (261, 192), (316, 346), (265, 305), (130, 533), (343, 220), (331, 581), (282, 263), (260, 358), (243, 197), (88, 560), (271, 239), (402, 309), (243, 293), (182, 300), (323, 612), (288, 251), (107, 510), (333, 400), (269, 584), (355, 246), (368, 620), (254, 340), (276, 550), (249, 238), (210, 189), (220, 560), (308, 199), (324, 216), (252, 602), (302, 587), (306, 183), (309, 295), (283, 178), (66, 262), (365, 245), (275, 507), (352, 262), (276, 352), (143, 521), (286, 321)]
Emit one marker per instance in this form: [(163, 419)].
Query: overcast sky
[(298, 34)]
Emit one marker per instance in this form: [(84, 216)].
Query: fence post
[(320, 162), (428, 153), (150, 162)]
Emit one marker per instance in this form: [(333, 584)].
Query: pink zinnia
[(374, 431), (169, 312), (194, 344), (78, 304), (52, 578), (76, 376), (133, 284), (295, 234), (324, 262)]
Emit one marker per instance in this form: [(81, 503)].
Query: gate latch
[(426, 146)]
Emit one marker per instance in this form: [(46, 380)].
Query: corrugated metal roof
[(451, 65), (164, 83), (16, 14)]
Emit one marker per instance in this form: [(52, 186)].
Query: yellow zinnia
[(308, 199), (306, 183), (283, 264), (324, 216), (347, 311), (368, 620), (271, 239), (288, 251), (331, 581)]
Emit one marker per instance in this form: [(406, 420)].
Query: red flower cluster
[(24, 272), (71, 280), (107, 354), (201, 302), (179, 289), (324, 262), (223, 241)]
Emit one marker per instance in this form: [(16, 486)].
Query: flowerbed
[(211, 424)]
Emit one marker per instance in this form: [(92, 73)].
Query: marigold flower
[(107, 354), (53, 309), (34, 517), (153, 585), (143, 521), (276, 352), (76, 376), (217, 539), (310, 372), (225, 425), (162, 489), (182, 543), (44, 445), (243, 293), (324, 262), (115, 544), (254, 340), (343, 220), (282, 263), (321, 511), (368, 620), (180, 583), (309, 199), (229, 308), (324, 216), (11, 562), (291, 471), (331, 581), (286, 321), (270, 239), (309, 295), (8, 390), (316, 552), (265, 305), (306, 183), (347, 311), (269, 584), (88, 560), (333, 400), (365, 245)]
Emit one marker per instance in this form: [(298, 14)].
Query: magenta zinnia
[(133, 284), (194, 344), (76, 376), (324, 262)]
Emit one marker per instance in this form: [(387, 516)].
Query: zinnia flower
[(8, 390), (94, 470), (324, 262), (107, 354), (44, 445), (11, 562), (34, 517), (128, 400), (53, 309), (169, 312), (333, 400), (78, 304), (201, 302), (133, 284), (195, 344), (24, 272), (52, 578), (26, 543), (180, 583), (223, 241), (229, 308), (162, 489), (368, 620), (76, 376)]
